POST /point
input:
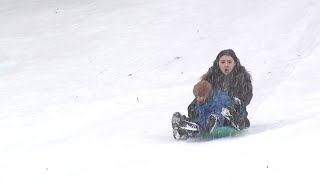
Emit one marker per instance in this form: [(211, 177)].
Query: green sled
[(220, 132)]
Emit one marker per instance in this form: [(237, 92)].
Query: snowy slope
[(88, 88)]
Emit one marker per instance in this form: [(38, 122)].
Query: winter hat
[(202, 88)]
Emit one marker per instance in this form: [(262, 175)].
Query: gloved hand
[(236, 101)]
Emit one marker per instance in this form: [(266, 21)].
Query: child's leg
[(182, 128), (234, 119)]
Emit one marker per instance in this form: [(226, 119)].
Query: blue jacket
[(214, 105)]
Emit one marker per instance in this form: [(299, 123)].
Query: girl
[(231, 93)]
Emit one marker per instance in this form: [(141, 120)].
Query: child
[(209, 106), (207, 114)]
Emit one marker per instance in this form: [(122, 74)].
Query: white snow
[(88, 88)]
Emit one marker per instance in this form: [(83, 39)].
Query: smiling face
[(226, 64)]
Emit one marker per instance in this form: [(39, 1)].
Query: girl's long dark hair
[(215, 71)]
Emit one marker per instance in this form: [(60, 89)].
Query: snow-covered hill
[(88, 88)]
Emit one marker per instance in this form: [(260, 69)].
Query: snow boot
[(182, 128), (235, 119)]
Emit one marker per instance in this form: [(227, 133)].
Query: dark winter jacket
[(236, 84)]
